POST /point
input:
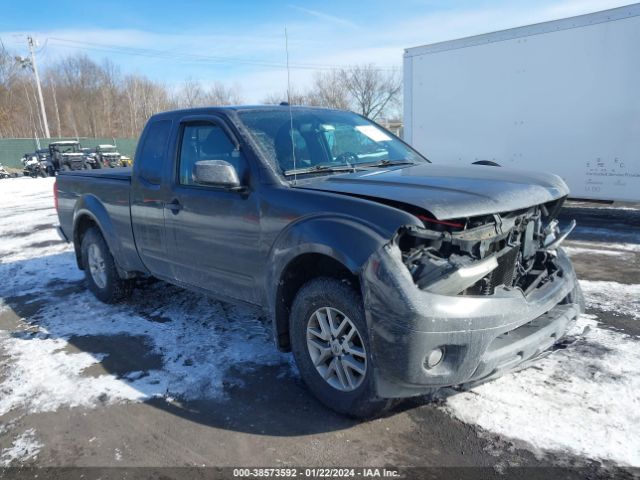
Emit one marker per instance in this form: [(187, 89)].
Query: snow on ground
[(584, 399), (620, 245), (613, 297), (27, 219), (25, 447), (197, 339), (582, 250), (602, 248)]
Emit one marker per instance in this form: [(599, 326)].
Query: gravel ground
[(170, 378)]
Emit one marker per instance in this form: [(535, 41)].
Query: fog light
[(434, 357)]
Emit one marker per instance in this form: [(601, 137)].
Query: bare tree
[(191, 94), (219, 94), (371, 90), (14, 116), (294, 97), (52, 86), (363, 88), (329, 90), (93, 99)]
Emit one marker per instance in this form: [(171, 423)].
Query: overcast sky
[(242, 42)]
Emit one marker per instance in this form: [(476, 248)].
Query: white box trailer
[(561, 96)]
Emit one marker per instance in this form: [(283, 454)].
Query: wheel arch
[(89, 212), (322, 246)]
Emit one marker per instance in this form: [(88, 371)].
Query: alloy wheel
[(336, 349)]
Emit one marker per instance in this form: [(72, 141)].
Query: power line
[(196, 58)]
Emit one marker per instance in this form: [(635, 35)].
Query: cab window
[(206, 141)]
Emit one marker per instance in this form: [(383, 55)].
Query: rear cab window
[(153, 151)]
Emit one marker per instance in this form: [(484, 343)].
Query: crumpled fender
[(346, 239)]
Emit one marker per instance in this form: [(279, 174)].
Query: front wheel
[(100, 269), (331, 347)]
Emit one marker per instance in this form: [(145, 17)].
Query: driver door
[(213, 233)]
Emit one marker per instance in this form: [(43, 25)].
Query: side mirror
[(216, 173)]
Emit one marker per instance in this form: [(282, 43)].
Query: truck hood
[(445, 191)]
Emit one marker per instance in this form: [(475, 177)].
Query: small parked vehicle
[(45, 159), (67, 155), (109, 156), (90, 158), (5, 174), (34, 167)]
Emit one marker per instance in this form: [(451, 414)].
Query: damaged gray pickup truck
[(387, 275)]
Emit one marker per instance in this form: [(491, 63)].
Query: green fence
[(12, 149)]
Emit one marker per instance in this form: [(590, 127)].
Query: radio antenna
[(293, 148)]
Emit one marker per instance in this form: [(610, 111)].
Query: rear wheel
[(100, 269), (331, 347)]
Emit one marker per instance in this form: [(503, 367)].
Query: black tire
[(114, 288), (330, 292)]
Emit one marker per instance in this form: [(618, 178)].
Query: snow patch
[(196, 339), (582, 399), (614, 297), (596, 251), (25, 447), (44, 377), (612, 246)]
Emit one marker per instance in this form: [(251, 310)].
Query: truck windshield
[(323, 141)]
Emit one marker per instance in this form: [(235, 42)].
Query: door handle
[(174, 206)]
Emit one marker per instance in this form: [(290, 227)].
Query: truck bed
[(113, 173), (106, 194)]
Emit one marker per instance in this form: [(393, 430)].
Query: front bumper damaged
[(480, 337)]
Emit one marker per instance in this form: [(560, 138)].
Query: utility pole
[(35, 72)]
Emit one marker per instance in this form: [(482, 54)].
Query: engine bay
[(475, 256)]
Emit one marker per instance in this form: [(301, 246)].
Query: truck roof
[(235, 108), (528, 30)]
